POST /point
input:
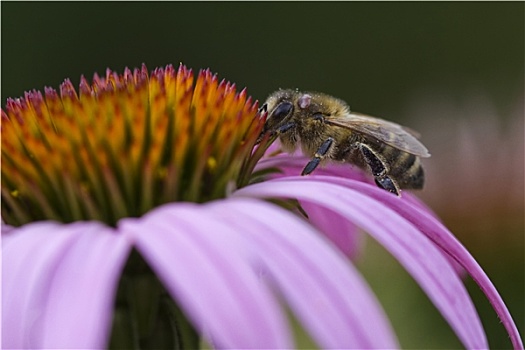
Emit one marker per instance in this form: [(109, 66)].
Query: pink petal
[(293, 165), (443, 238), (326, 293), (202, 264), (59, 284), (5, 229), (343, 233), (418, 255), (349, 242)]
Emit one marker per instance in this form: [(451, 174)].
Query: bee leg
[(379, 170), (284, 128), (322, 151), (386, 183), (263, 108)]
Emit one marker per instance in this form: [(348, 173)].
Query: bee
[(326, 130)]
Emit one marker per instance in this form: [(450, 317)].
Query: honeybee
[(325, 129)]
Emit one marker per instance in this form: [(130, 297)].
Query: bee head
[(283, 107), (280, 107)]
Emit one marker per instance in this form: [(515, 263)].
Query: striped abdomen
[(403, 167)]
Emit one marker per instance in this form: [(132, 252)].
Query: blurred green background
[(428, 65)]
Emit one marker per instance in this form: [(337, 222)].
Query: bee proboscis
[(325, 129)]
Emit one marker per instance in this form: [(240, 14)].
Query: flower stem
[(145, 316)]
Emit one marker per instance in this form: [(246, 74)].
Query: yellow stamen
[(124, 144)]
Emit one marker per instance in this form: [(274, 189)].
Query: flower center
[(124, 144)]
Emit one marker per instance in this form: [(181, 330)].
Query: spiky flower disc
[(123, 145)]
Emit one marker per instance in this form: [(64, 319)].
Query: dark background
[(374, 55), (385, 59)]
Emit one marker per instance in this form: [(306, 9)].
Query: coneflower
[(139, 213)]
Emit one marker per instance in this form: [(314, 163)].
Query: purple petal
[(291, 166), (415, 252), (59, 284), (343, 233), (444, 239), (326, 293), (202, 263), (5, 229)]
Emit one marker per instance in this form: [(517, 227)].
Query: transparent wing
[(390, 133)]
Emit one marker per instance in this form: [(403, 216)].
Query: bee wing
[(390, 133)]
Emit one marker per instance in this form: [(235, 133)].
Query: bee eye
[(282, 110)]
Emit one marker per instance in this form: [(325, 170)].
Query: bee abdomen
[(407, 170)]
